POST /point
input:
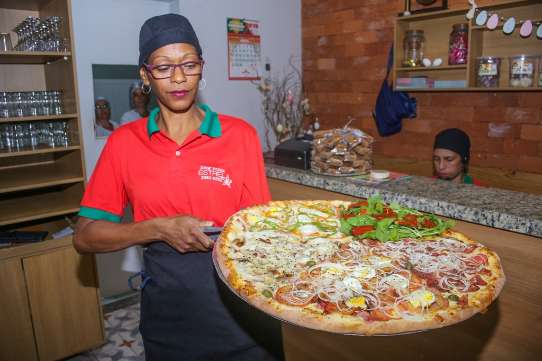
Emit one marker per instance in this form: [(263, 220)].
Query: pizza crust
[(337, 322)]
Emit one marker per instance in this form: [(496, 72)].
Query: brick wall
[(345, 46)]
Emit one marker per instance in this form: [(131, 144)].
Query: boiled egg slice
[(357, 302), (365, 272), (421, 298)]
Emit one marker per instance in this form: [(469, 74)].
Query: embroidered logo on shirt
[(214, 174)]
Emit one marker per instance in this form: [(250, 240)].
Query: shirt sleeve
[(105, 195), (255, 187)]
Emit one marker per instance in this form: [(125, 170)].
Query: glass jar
[(488, 71), (522, 71), (413, 47), (459, 44)]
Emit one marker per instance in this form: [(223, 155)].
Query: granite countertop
[(513, 211)]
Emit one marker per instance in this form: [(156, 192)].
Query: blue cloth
[(392, 106)]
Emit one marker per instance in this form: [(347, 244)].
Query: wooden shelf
[(39, 118), (39, 151), (39, 205), (30, 249), (38, 189), (34, 177), (432, 68), (31, 214), (23, 4), (32, 57), (437, 27)]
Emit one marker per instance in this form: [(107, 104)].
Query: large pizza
[(364, 268)]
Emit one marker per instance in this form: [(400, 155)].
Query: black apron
[(187, 313)]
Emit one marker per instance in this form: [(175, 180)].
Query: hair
[(133, 87)]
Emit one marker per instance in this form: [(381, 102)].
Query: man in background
[(451, 155)]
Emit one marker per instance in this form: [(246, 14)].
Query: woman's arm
[(181, 232)]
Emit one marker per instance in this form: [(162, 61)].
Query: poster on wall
[(244, 50)]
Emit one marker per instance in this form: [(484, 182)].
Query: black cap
[(163, 30), (456, 140)]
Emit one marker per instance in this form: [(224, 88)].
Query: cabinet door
[(16, 337), (64, 300)]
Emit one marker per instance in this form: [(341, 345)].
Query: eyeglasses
[(164, 71), (104, 106)]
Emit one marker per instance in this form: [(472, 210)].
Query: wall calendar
[(244, 50)]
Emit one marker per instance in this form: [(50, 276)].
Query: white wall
[(280, 27), (106, 32)]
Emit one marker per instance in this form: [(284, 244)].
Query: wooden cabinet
[(50, 304), (63, 305), (16, 335), (50, 298), (483, 42)]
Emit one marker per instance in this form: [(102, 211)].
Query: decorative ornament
[(526, 29), (426, 62), (481, 18), (437, 62), (509, 26), (493, 22), (472, 11)]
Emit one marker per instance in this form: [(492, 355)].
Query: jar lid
[(489, 58), (462, 26), (414, 32), (522, 57)]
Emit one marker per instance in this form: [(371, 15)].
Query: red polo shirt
[(217, 171)]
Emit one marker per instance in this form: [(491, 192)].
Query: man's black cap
[(163, 30), (456, 140)]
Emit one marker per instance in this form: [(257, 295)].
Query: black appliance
[(295, 153)]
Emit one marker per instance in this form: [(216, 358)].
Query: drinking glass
[(4, 105), (5, 42)]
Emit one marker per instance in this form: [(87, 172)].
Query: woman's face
[(447, 164), (179, 91), (103, 111)]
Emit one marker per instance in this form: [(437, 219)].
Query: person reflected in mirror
[(103, 125), (139, 103), (451, 155)]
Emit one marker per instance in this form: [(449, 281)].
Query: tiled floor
[(123, 338)]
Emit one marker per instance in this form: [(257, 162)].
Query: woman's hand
[(184, 233)]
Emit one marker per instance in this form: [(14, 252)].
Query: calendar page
[(244, 51)]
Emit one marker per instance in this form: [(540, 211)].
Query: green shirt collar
[(210, 124)]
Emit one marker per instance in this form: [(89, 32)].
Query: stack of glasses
[(16, 137), (30, 103), (35, 34)]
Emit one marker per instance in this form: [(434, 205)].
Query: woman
[(451, 154), (103, 126), (139, 103), (182, 168)]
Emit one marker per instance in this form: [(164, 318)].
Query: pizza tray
[(223, 279)]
